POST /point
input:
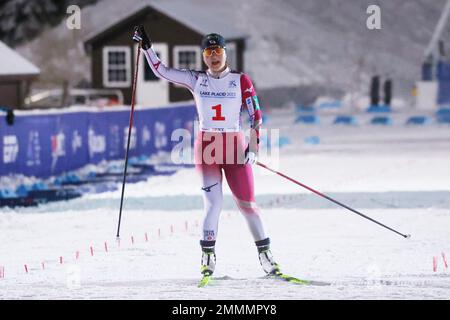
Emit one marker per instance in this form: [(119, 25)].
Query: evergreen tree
[(22, 20)]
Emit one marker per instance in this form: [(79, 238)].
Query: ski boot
[(266, 258), (208, 257)]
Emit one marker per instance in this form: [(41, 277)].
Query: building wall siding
[(10, 94)]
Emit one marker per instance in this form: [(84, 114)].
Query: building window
[(187, 57), (116, 67), (149, 75)]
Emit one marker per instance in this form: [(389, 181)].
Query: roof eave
[(19, 76)]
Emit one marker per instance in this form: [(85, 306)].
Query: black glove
[(141, 36)]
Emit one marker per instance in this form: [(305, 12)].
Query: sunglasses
[(210, 50)]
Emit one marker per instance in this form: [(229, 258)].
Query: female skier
[(220, 95)]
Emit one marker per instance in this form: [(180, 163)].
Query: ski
[(204, 281), (281, 276)]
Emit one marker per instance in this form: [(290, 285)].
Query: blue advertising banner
[(443, 71), (443, 98), (46, 144)]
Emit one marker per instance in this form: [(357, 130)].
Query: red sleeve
[(251, 103)]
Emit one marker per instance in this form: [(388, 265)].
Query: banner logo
[(10, 149)]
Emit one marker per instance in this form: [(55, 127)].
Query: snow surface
[(398, 175)]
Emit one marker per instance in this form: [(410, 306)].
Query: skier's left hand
[(250, 156)]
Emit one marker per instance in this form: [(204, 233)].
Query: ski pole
[(331, 199), (133, 95)]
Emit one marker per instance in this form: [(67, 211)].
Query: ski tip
[(408, 236), (294, 280)]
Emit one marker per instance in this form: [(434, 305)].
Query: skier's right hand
[(141, 36), (251, 157)]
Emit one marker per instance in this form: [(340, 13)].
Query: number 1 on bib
[(218, 116)]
